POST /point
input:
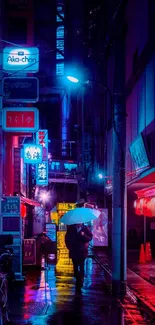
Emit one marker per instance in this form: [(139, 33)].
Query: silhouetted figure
[(77, 240)]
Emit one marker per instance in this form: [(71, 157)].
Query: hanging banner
[(20, 119), (42, 168)]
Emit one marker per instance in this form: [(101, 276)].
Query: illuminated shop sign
[(66, 206), (42, 173), (10, 205), (20, 119), (19, 89), (139, 154), (32, 153), (57, 166), (24, 59), (42, 140)]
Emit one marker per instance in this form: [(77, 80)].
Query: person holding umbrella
[(77, 241), (78, 237)]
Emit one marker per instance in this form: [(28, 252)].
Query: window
[(17, 30)]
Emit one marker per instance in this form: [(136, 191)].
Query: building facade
[(140, 120)]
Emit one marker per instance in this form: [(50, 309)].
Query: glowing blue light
[(100, 176), (60, 42), (42, 173), (64, 126), (16, 59), (72, 79), (32, 153)]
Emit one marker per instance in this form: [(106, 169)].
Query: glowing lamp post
[(73, 79), (100, 176), (117, 103)]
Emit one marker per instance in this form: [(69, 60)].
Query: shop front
[(144, 206)]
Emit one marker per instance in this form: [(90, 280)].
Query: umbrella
[(79, 215)]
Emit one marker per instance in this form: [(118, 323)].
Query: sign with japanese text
[(32, 153), (20, 89), (51, 231), (10, 206), (66, 206), (20, 119), (29, 252), (42, 173), (21, 59), (42, 139), (139, 154)]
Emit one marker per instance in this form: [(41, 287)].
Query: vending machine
[(11, 223)]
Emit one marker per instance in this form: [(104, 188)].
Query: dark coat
[(76, 243)]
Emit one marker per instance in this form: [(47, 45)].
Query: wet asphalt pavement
[(49, 298)]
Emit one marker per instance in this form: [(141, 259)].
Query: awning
[(30, 201), (146, 192)]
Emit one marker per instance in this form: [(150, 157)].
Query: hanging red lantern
[(137, 207), (152, 206), (23, 210), (147, 207)]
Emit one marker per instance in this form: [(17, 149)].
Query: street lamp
[(100, 176), (119, 249), (73, 79)]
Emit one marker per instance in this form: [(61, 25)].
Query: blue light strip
[(60, 39), (64, 125)]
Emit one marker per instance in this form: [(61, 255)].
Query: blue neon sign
[(42, 173), (21, 59), (32, 153)]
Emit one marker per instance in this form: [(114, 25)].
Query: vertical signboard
[(29, 252), (42, 173), (42, 168), (42, 140)]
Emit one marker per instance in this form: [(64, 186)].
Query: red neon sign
[(20, 119), (42, 139)]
